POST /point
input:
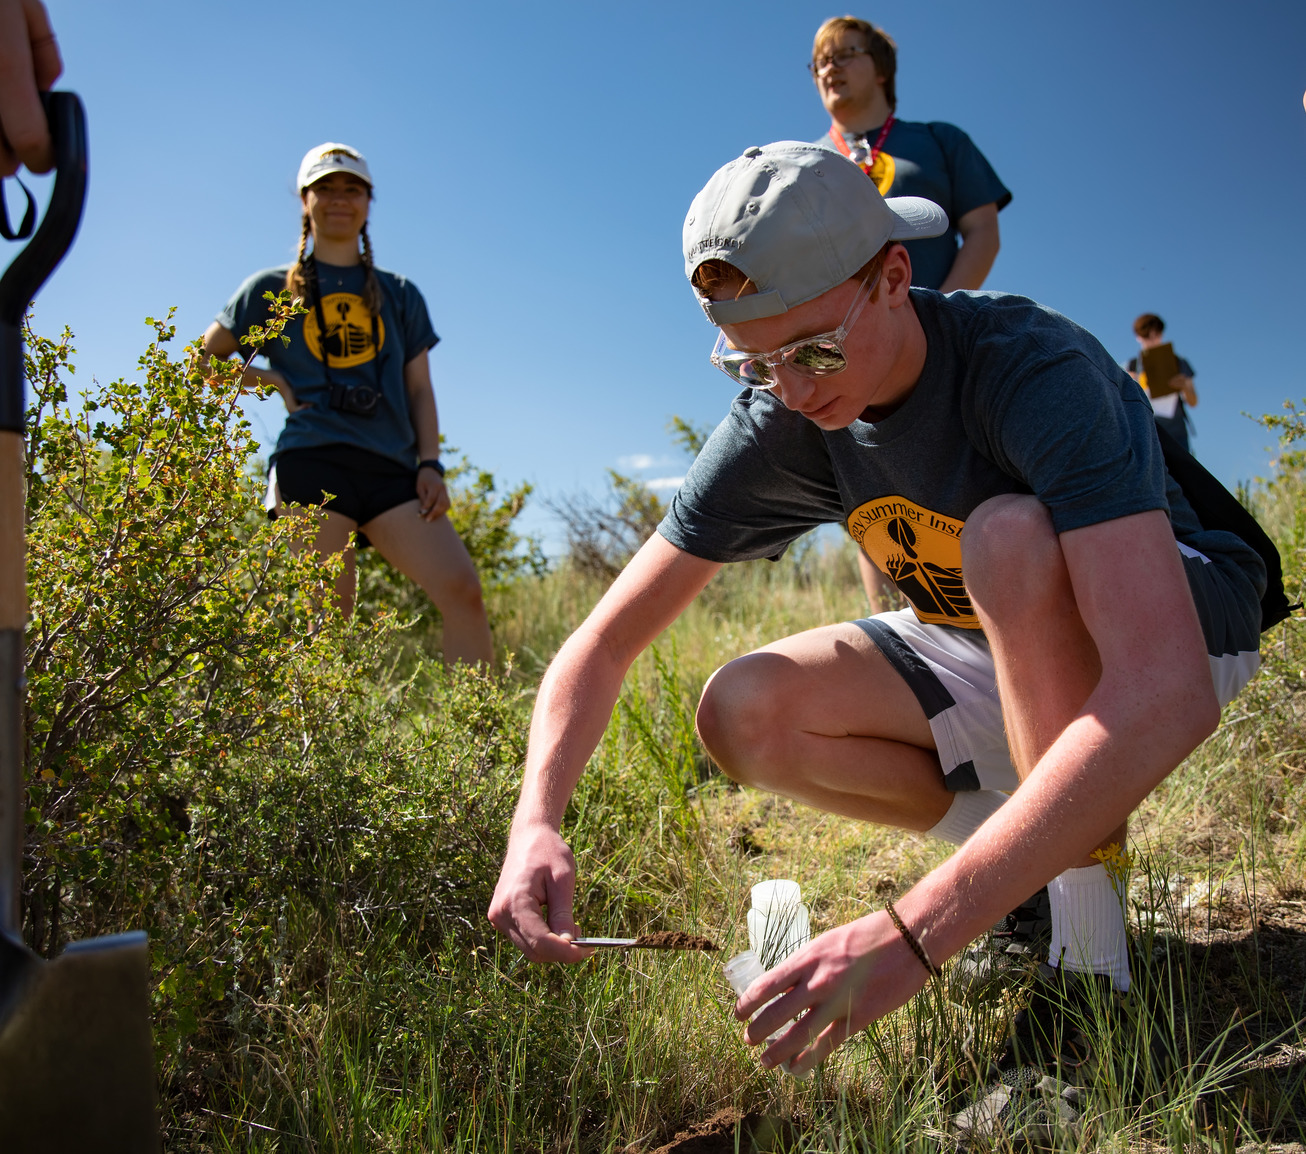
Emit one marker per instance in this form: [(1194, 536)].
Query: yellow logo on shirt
[(920, 552), (348, 331), (882, 172)]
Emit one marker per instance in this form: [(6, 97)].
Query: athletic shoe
[(1033, 1091), (1025, 1108), (1049, 1033), (1017, 943)]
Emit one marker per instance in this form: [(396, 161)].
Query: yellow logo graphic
[(920, 552), (348, 331), (882, 172)]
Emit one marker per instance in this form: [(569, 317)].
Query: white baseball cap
[(797, 220), (328, 158)]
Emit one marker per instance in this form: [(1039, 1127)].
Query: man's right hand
[(539, 870)]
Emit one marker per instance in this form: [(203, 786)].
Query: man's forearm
[(980, 241), (1093, 776), (572, 711), (580, 688), (974, 262)]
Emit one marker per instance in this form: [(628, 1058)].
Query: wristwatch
[(432, 463)]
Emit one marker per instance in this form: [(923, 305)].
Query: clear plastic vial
[(741, 972)]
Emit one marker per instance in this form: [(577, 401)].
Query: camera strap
[(322, 333)]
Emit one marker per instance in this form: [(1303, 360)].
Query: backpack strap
[(1218, 509)]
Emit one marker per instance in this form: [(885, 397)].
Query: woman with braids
[(362, 424)]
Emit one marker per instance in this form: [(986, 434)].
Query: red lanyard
[(842, 145)]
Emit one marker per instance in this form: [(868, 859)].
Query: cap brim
[(313, 177), (916, 218), (742, 309)]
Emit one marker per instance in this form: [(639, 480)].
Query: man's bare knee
[(737, 713), (1011, 553)]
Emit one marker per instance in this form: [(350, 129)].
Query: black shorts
[(364, 484)]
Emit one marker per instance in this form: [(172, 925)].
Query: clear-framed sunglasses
[(818, 356)]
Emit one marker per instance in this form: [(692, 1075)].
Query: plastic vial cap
[(776, 892), (742, 971)]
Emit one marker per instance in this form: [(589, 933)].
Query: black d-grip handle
[(32, 267)]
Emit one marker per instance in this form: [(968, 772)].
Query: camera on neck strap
[(359, 400)]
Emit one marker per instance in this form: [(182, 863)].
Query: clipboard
[(1159, 366)]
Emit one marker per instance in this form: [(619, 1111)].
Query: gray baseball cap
[(797, 220)]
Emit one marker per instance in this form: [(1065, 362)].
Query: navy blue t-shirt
[(403, 332), (941, 163), (1013, 398)]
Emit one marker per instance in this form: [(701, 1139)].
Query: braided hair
[(372, 286), (301, 277)]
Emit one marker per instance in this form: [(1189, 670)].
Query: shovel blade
[(76, 1055)]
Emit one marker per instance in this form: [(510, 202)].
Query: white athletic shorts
[(951, 671)]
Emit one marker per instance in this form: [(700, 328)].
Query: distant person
[(1170, 410), (1073, 628), (29, 65), (362, 421), (855, 67)]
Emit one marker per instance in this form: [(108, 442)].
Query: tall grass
[(447, 1039)]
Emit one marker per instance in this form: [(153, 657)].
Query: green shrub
[(164, 611), (212, 756)]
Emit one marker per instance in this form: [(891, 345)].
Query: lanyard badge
[(859, 154)]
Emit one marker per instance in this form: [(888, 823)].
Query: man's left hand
[(844, 980)]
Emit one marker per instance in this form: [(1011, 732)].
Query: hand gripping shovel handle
[(20, 283), (32, 267)]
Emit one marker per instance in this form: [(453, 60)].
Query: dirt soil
[(758, 1134), (674, 940)]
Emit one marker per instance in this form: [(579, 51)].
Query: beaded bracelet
[(910, 939)]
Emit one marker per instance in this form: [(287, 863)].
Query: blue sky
[(534, 164)]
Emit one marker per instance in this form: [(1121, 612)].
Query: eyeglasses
[(818, 356), (840, 59)]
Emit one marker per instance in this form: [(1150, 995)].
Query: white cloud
[(664, 483), (637, 461)]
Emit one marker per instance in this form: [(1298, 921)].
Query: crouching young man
[(1073, 631)]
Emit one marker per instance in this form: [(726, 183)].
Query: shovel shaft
[(11, 376), (13, 619), (11, 789)]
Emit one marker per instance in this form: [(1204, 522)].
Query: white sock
[(969, 810), (1088, 925)]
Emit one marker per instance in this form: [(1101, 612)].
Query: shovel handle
[(32, 267)]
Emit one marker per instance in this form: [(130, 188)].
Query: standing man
[(1170, 408), (855, 67), (1073, 629)]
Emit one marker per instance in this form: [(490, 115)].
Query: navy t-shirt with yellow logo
[(1012, 398), (403, 331), (941, 163)]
